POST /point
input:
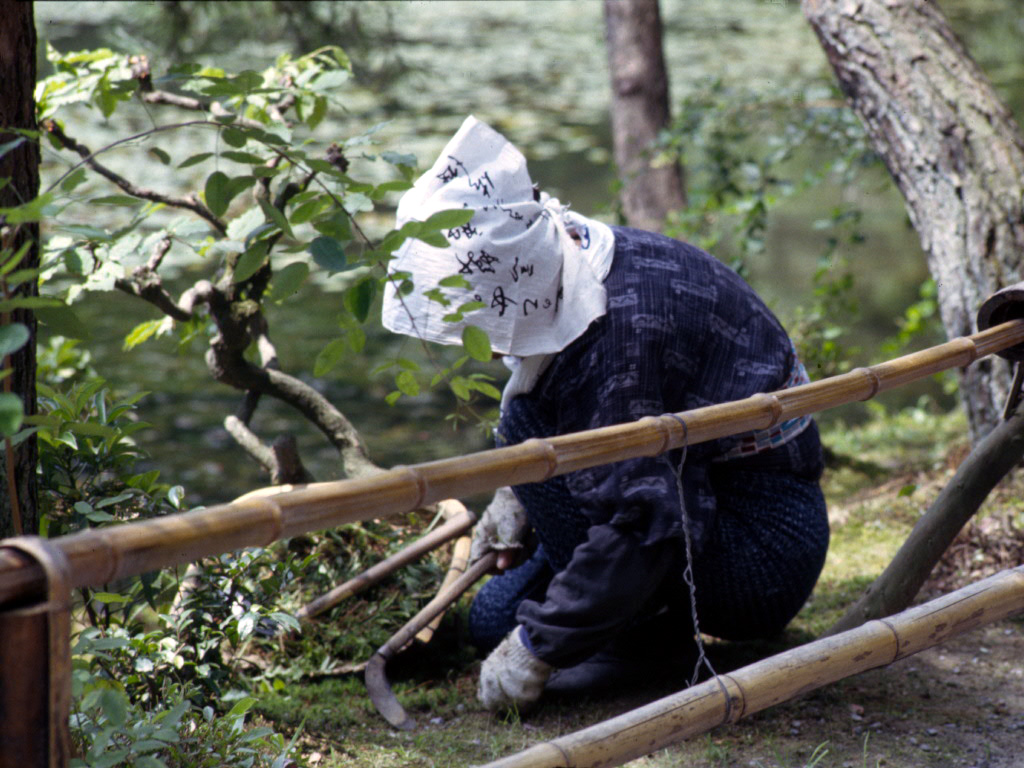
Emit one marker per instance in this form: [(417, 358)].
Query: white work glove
[(502, 526), (512, 677)]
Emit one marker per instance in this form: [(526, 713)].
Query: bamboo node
[(666, 434), (735, 703), (772, 404), (418, 480), (549, 453), (682, 422), (971, 349), (872, 376)]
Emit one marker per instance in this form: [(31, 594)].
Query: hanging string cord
[(702, 658)]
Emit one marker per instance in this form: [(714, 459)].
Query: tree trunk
[(18, 510), (954, 150), (639, 110)]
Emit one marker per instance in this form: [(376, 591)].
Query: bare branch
[(289, 464), (228, 366), (146, 284), (251, 444), (190, 203)]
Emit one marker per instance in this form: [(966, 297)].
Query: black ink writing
[(481, 184), (481, 262), (500, 301), (465, 231), (521, 269), (448, 174), (529, 304)]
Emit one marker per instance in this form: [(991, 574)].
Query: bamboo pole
[(102, 555), (788, 675)]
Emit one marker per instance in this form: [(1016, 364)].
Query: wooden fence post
[(35, 656)]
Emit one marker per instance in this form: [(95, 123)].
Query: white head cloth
[(540, 287)]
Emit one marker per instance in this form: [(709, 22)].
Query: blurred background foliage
[(781, 182)]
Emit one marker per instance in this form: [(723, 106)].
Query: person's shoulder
[(651, 245)]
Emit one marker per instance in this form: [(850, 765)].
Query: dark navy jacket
[(682, 331)]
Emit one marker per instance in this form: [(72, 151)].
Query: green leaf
[(241, 706), (455, 281), (330, 80), (115, 706), (63, 320), (243, 157), (11, 414), (91, 429), (335, 225), (328, 253), (250, 261), (274, 214), (396, 158), (216, 193), (307, 210), (449, 219), (195, 159), (13, 338), (110, 759), (435, 239), (357, 339), (86, 232), (141, 333), (489, 390), (288, 280), (109, 597), (330, 356), (160, 155), (407, 384), (116, 200), (29, 302), (460, 387), (234, 137), (476, 343), (11, 145), (72, 181), (359, 298), (33, 210), (319, 112)]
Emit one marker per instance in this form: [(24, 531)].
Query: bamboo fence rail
[(36, 575), (103, 555), (779, 678)]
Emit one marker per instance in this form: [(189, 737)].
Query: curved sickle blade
[(377, 684)]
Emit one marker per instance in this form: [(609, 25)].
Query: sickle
[(377, 684)]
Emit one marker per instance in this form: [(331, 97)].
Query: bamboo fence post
[(35, 687), (788, 675)]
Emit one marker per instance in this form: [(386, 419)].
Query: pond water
[(537, 71)]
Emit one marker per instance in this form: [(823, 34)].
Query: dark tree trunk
[(640, 109), (954, 150), (21, 166)]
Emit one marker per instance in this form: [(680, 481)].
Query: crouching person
[(603, 325)]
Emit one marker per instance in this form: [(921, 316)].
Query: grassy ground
[(959, 704)]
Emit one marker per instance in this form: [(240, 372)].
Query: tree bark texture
[(994, 456), (639, 110), (21, 166), (954, 150)]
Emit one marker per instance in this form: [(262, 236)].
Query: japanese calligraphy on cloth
[(540, 286)]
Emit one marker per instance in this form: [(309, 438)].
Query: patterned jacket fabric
[(682, 331)]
